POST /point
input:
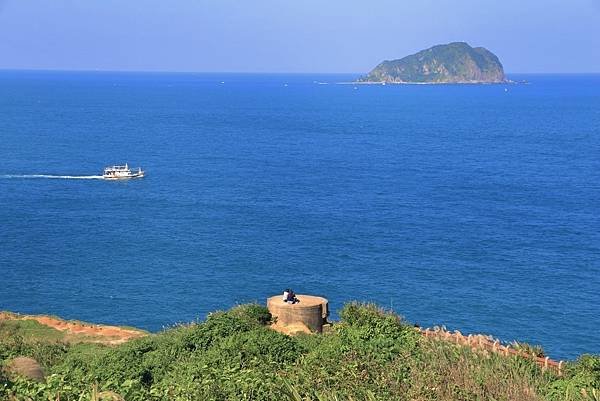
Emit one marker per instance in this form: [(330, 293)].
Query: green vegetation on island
[(451, 63), (370, 354)]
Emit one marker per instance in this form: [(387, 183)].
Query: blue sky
[(291, 36)]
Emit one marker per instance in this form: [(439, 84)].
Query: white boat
[(121, 173)]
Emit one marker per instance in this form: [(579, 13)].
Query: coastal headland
[(370, 353)]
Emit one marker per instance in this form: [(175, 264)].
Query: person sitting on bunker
[(292, 299)]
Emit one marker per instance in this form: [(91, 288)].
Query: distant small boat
[(121, 173)]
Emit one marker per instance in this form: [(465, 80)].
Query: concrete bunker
[(308, 315)]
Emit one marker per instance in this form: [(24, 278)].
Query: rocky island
[(453, 63)]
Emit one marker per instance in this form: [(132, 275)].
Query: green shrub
[(587, 368), (253, 312), (240, 366), (259, 347), (217, 326), (46, 353), (533, 350), (581, 381), (125, 363), (373, 330), (373, 320), (371, 354)]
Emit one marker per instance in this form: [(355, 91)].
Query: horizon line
[(246, 72)]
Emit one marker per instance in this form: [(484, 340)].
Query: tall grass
[(370, 355)]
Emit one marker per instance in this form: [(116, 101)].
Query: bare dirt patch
[(75, 331)]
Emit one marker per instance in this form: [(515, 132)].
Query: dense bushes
[(368, 329), (47, 354), (371, 354), (580, 382)]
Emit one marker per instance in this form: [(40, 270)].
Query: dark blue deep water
[(468, 206)]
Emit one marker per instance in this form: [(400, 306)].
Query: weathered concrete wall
[(310, 311)]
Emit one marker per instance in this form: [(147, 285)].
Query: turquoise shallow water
[(470, 206)]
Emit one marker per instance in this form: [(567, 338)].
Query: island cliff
[(452, 63)]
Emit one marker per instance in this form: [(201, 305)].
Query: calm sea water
[(473, 207)]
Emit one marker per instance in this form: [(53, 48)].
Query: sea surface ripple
[(476, 207)]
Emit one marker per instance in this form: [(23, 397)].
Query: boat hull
[(128, 177), (122, 172)]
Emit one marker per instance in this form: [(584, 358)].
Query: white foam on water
[(63, 177)]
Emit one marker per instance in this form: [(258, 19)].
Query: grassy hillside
[(68, 331), (370, 354)]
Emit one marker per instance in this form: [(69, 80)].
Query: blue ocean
[(476, 207)]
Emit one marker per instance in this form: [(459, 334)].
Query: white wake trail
[(60, 177)]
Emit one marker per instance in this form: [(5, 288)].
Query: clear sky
[(291, 35)]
